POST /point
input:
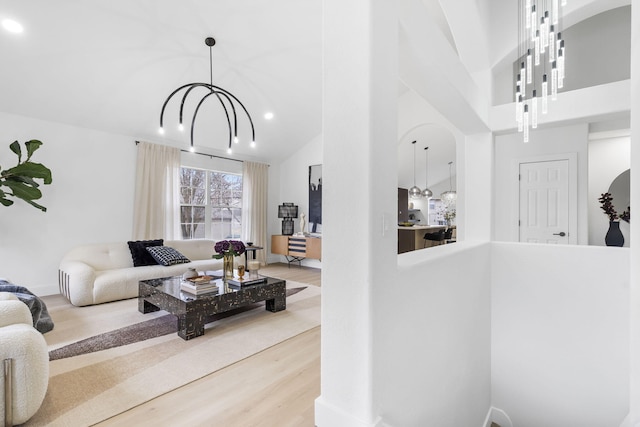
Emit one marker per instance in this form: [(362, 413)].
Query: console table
[(296, 248)]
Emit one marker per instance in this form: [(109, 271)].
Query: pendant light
[(541, 56), (228, 101), (414, 192), (449, 196), (426, 193)]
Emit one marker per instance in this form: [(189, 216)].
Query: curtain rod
[(208, 155), (212, 156)]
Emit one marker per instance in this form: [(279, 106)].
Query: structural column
[(359, 200)]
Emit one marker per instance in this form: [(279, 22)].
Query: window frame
[(234, 203)]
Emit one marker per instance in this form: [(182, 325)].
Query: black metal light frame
[(225, 98)]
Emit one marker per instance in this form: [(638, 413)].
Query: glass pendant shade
[(526, 123), (534, 111), (426, 193), (414, 192), (449, 196)]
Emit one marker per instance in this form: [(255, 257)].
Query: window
[(210, 204)]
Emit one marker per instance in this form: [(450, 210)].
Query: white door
[(544, 202)]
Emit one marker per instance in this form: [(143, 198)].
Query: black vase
[(614, 236)]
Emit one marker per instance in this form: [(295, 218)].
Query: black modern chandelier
[(227, 100)]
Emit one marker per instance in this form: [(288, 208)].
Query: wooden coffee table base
[(192, 311)]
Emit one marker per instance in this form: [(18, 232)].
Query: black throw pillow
[(139, 253), (167, 256)]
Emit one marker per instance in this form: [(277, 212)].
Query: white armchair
[(24, 361)]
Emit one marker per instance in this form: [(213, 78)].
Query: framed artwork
[(315, 199)]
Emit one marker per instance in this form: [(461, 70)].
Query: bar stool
[(436, 236)]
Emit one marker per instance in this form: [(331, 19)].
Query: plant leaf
[(32, 146), (15, 147), (27, 180), (4, 200), (34, 204), (22, 190), (32, 170)]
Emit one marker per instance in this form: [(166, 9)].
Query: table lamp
[(287, 211)]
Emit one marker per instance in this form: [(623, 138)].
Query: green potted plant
[(20, 180)]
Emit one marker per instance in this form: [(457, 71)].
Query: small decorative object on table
[(244, 281), (199, 285), (241, 271), (227, 249), (191, 272), (254, 266)]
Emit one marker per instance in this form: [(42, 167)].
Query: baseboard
[(44, 290), (327, 415), (498, 416)]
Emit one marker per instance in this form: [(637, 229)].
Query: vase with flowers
[(614, 236), (226, 250)]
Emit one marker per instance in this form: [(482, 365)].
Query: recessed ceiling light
[(12, 26), (268, 116)]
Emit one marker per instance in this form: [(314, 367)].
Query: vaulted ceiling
[(109, 65)]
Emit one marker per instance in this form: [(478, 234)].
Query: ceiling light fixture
[(268, 115), (426, 193), (541, 55), (414, 192), (227, 100), (449, 196), (12, 26)]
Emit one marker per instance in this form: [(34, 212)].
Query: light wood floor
[(276, 387)]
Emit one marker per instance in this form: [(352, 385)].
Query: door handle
[(561, 234)]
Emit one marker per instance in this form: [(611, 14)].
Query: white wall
[(560, 334), (293, 186), (90, 199), (608, 158), (433, 338), (509, 149), (634, 300)]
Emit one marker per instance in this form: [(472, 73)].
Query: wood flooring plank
[(276, 387)]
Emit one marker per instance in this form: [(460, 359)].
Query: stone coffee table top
[(192, 311)]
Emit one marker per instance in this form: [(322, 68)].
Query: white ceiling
[(109, 65)]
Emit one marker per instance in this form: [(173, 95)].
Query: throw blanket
[(41, 319)]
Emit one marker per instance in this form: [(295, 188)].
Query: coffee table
[(192, 311)]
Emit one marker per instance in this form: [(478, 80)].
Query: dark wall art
[(315, 199)]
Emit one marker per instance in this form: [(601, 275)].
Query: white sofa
[(99, 273), (23, 354)]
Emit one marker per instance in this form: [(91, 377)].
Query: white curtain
[(254, 206), (156, 205)]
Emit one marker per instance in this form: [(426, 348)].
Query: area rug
[(141, 331), (88, 388)]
